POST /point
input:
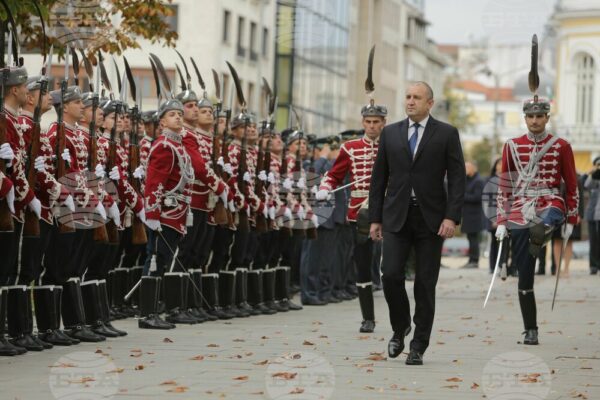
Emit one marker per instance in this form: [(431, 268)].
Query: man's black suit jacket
[(439, 156)]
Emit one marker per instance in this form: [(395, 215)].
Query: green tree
[(108, 25), (460, 110), (481, 153)]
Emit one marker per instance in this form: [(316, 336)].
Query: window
[(171, 20), (584, 103), (250, 98), (226, 24), (241, 51), (265, 42), (253, 53)]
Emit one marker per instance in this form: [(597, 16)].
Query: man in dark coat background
[(472, 217)]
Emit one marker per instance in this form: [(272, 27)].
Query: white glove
[(7, 154), (142, 215), (301, 213), (287, 213), (262, 175), (228, 169), (153, 224), (69, 203), (10, 199), (231, 206), (223, 196), (501, 232), (248, 211), (221, 162), (322, 194), (113, 213), (114, 173), (100, 211), (247, 177), (272, 212), (66, 155), (99, 171), (266, 212), (314, 189), (40, 164), (567, 231), (35, 206), (315, 220), (288, 184), (301, 183), (271, 177), (139, 172)]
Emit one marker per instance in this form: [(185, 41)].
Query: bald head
[(418, 100)]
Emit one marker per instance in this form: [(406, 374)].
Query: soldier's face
[(373, 126), (417, 102), (205, 116), (191, 112), (276, 144), (32, 100), (238, 132), (252, 133), (172, 120), (109, 122), (536, 123), (126, 122), (74, 109), (149, 127), (20, 93)]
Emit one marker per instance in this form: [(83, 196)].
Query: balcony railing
[(581, 136)]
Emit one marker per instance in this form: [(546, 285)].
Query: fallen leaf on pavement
[(139, 367), (169, 383), (241, 378), (474, 386), (167, 340), (285, 375), (212, 345), (178, 389), (82, 380), (297, 391), (199, 357), (450, 387), (307, 343), (263, 362), (454, 379), (116, 370)]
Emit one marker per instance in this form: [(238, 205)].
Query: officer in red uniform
[(530, 204), (167, 196), (356, 158)]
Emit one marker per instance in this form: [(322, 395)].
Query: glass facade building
[(311, 69)]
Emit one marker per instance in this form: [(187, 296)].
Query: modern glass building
[(311, 67)]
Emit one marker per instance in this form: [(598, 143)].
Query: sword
[(562, 251), (498, 258), (350, 184)]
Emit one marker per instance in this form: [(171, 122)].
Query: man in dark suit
[(409, 207)]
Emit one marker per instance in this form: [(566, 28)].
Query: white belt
[(359, 193), (540, 192)]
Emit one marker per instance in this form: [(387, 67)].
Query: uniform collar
[(369, 140), (11, 111), (25, 113), (203, 132), (537, 138), (172, 135)]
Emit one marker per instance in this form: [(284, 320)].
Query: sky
[(502, 21)]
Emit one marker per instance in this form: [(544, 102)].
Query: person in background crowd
[(472, 218), (592, 214)]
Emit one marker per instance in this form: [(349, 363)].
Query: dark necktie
[(412, 142)]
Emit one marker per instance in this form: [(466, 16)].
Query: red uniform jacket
[(519, 199), (356, 157), (18, 176), (168, 182)]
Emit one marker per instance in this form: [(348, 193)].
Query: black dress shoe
[(593, 271), (396, 343), (100, 329), (54, 338), (84, 334), (119, 332), (206, 315), (44, 344), (332, 299), (27, 341), (531, 337), (220, 313), (314, 302), (153, 321), (63, 335), (180, 317), (7, 349), (290, 305), (367, 326), (414, 358)]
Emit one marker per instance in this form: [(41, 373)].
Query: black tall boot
[(19, 310), (367, 308), (194, 296), (58, 291), (227, 294), (36, 338), (73, 313), (120, 283), (175, 298), (135, 274), (45, 315), (210, 284), (90, 295), (256, 293), (241, 292), (283, 277), (6, 348), (105, 308), (268, 276), (199, 300), (529, 313), (149, 293)]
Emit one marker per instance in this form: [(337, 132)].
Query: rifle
[(283, 172), (261, 221), (111, 228), (65, 222), (221, 213), (138, 230), (6, 221), (225, 155), (299, 232)]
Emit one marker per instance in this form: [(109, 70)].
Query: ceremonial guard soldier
[(356, 157), (167, 196), (530, 203)]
